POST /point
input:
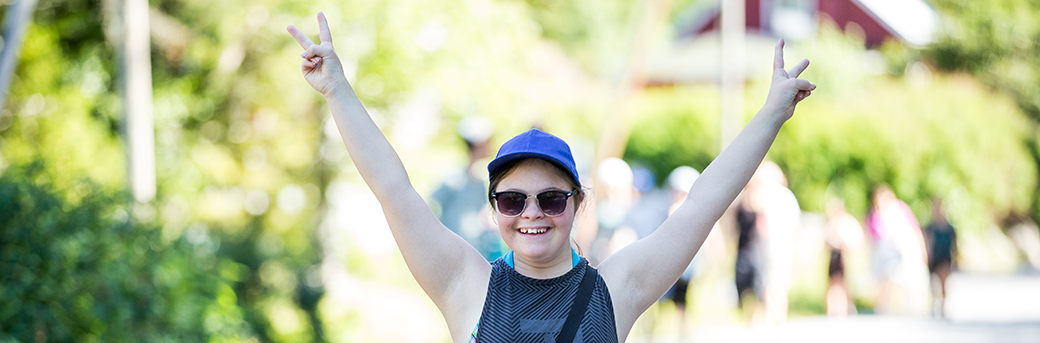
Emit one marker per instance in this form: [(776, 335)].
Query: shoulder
[(602, 292), (463, 311)]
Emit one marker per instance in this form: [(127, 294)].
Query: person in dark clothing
[(844, 233), (748, 267), (941, 239)]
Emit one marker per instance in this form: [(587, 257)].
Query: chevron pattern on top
[(522, 309)]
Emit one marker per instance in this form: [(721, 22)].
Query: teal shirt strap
[(574, 258)]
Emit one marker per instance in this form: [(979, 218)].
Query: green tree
[(74, 267), (996, 42)]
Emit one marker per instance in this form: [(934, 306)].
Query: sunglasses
[(512, 204)]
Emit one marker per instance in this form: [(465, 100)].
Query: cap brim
[(503, 160)]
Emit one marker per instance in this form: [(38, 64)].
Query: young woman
[(527, 295)]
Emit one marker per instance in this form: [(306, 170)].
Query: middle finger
[(798, 68)]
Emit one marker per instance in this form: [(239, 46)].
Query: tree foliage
[(995, 40), (998, 43), (75, 268)]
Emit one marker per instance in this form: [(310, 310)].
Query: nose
[(531, 209)]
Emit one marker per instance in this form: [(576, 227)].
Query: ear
[(579, 200)]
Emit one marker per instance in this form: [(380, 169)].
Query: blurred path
[(870, 329), (994, 298), (982, 308)]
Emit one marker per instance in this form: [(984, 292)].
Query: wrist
[(771, 116), (338, 91), (335, 88)]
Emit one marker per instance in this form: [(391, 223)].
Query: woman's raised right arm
[(375, 159), (437, 258)]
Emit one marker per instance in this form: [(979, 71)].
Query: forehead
[(534, 174)]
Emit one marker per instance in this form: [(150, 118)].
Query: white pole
[(17, 17), (732, 34), (137, 99)]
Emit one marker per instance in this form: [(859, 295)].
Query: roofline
[(700, 22), (878, 20)]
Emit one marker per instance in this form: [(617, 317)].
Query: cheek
[(570, 216), (566, 224), (505, 224)]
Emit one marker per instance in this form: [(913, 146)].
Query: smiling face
[(533, 235)]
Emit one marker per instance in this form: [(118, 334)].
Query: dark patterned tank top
[(522, 309)]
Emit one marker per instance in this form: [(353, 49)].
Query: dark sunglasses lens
[(511, 203), (553, 203)]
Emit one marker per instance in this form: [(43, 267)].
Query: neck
[(560, 264)]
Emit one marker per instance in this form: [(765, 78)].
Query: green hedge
[(75, 267)]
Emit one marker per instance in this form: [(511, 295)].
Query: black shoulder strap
[(581, 303)]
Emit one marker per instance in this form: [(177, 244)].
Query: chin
[(538, 252)]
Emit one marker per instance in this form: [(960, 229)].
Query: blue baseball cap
[(536, 143)]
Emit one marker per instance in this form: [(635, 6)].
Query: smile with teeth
[(533, 231)]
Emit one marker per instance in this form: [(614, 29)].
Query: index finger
[(301, 38), (323, 29), (778, 56)]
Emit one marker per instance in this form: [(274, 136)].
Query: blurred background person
[(616, 197), (651, 206), (767, 216), (748, 267), (462, 196), (844, 235), (941, 240), (778, 217), (899, 256)]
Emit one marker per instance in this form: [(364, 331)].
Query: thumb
[(317, 51), (802, 85)]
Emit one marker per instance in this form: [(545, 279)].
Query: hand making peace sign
[(786, 89), (321, 67)]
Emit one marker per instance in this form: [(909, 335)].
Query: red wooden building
[(695, 56), (910, 21)]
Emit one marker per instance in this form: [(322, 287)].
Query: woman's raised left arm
[(647, 268)]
